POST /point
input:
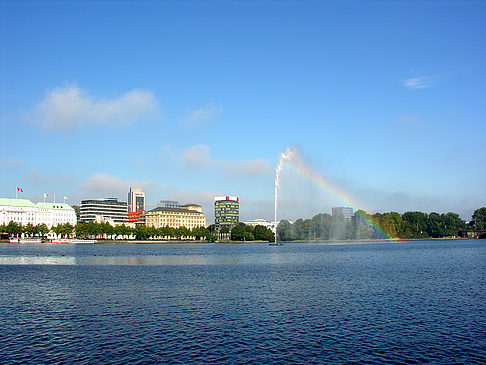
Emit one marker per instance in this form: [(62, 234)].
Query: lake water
[(408, 302)]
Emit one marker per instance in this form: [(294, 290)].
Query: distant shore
[(192, 242)]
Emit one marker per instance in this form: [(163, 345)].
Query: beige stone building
[(188, 215)]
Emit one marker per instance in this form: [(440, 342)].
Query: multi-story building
[(188, 215), (226, 211), (136, 200), (23, 211), (108, 210), (346, 212)]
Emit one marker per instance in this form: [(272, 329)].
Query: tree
[(14, 229), (29, 229), (238, 232), (285, 231), (269, 236), (338, 227), (434, 225), (479, 219), (414, 224), (452, 224), (260, 232), (42, 228), (81, 230), (321, 225), (298, 228)]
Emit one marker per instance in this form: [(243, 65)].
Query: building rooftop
[(175, 210), (16, 202), (28, 203)]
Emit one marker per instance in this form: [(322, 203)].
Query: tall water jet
[(284, 156)]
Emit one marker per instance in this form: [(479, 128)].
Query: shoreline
[(201, 242)]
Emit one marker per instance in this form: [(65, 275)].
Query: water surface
[(408, 302)]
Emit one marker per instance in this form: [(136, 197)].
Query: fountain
[(284, 156)]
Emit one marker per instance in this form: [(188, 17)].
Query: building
[(168, 204), (226, 211), (136, 218), (188, 215), (23, 211), (108, 210), (136, 200), (346, 212), (262, 222)]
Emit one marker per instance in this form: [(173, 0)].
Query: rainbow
[(297, 166)]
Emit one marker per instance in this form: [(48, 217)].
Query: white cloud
[(203, 198), (70, 107), (102, 185), (201, 115), (199, 156), (417, 82)]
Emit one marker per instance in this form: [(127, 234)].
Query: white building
[(262, 222), (104, 210), (346, 212), (136, 200), (23, 211)]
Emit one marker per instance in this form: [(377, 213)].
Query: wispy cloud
[(69, 107), (201, 115), (104, 185), (199, 156), (48, 179), (414, 83), (13, 162)]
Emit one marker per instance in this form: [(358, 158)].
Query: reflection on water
[(35, 260), (117, 260)]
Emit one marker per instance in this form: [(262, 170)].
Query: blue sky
[(195, 99)]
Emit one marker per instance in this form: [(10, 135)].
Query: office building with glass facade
[(108, 210), (136, 200), (226, 211)]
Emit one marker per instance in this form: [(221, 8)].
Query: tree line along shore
[(323, 226), (363, 226), (107, 232)]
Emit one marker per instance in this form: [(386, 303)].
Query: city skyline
[(190, 101)]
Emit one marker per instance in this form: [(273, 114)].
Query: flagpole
[(16, 192)]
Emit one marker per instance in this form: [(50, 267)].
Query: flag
[(19, 189), (45, 195), (65, 197)]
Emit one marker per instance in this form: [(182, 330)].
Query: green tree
[(29, 229), (322, 224), (415, 224), (42, 229), (285, 231), (260, 232), (434, 225), (14, 229), (479, 219), (81, 230), (452, 224), (238, 232), (298, 228), (338, 227), (269, 235), (57, 229)]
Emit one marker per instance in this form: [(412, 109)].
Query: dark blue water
[(409, 302)]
